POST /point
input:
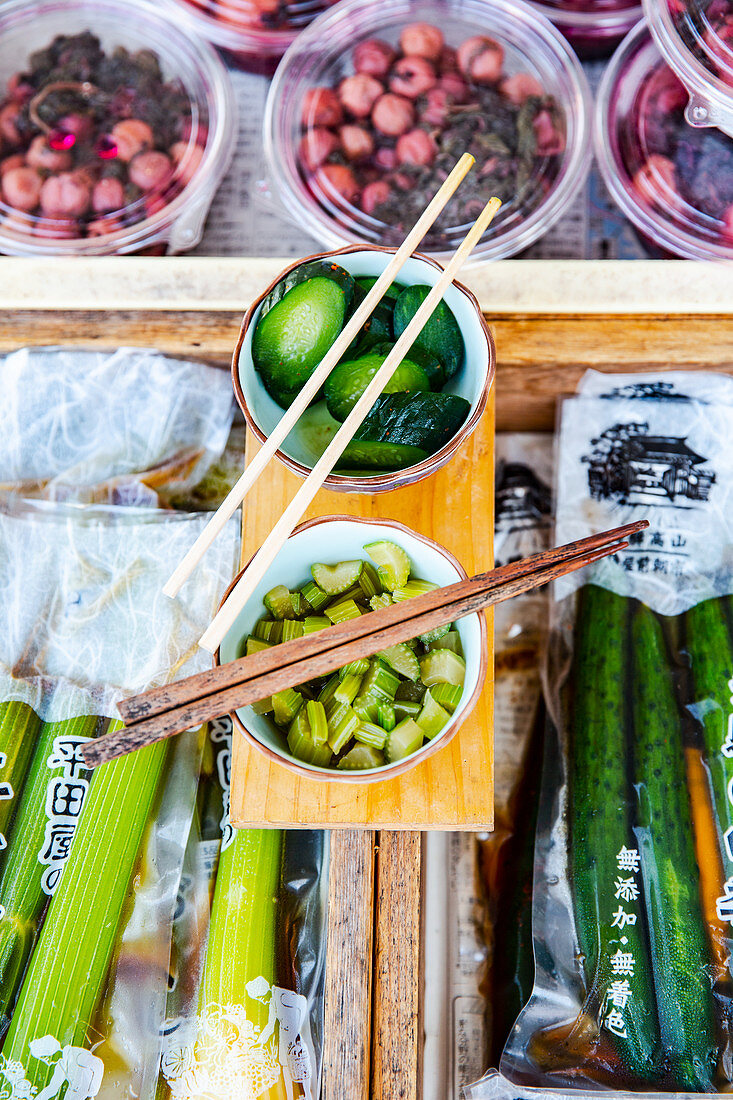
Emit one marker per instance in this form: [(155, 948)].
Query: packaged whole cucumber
[(633, 890)]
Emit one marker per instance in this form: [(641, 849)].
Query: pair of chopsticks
[(263, 559), (188, 703)]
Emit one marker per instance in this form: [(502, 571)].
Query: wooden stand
[(551, 321)]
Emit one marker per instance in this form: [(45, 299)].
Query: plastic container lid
[(594, 27), (323, 56), (696, 39), (674, 183), (251, 30), (61, 108)]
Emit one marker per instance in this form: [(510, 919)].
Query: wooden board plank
[(348, 986), (398, 944), (453, 789)]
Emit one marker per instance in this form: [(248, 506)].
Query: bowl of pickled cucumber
[(433, 401), (379, 716)]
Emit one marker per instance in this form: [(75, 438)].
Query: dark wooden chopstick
[(227, 688)]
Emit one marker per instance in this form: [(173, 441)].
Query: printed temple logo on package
[(645, 391), (632, 466), (522, 498)]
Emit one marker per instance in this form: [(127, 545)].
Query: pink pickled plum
[(393, 115), (520, 87), (316, 147), (64, 197), (9, 124), (339, 179), (81, 126), (412, 77), (437, 105), (17, 160), (187, 159), (21, 188), (19, 89), (373, 57), (448, 60), (481, 59), (108, 195), (416, 147), (150, 170), (41, 155), (455, 86), (359, 93), (131, 136), (549, 140), (356, 142), (655, 182), (321, 107), (386, 158), (422, 40), (373, 195)]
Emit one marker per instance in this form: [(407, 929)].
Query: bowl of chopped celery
[(376, 717), (433, 401)]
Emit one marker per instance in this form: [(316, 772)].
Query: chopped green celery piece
[(327, 691), (451, 640), (291, 630), (405, 738), (300, 726), (255, 645), (406, 708), (365, 706), (263, 706), (315, 596), (299, 604), (316, 715), (348, 689), (386, 717), (442, 666), (22, 894), (19, 729), (393, 564), (313, 623), (378, 603), (435, 634), (303, 748), (360, 757), (342, 730), (413, 588), (269, 630), (354, 668), (370, 734), (380, 682), (413, 692), (341, 612), (64, 982), (433, 717), (336, 578), (369, 581), (286, 705), (448, 695), (354, 593), (401, 658), (278, 602)]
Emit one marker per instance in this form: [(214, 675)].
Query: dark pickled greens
[(374, 711), (424, 420)]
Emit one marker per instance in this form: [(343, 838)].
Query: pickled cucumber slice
[(440, 336), (360, 757), (393, 564), (278, 602), (348, 381), (442, 666), (334, 579), (402, 659), (432, 718), (449, 640), (362, 454)]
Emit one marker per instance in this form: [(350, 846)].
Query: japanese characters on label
[(65, 797), (724, 904), (623, 962), (220, 732)]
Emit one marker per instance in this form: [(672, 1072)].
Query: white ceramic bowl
[(307, 441), (340, 538)]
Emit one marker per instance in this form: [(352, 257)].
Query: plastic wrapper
[(130, 426), (633, 889), (90, 863), (245, 1009), (473, 954)]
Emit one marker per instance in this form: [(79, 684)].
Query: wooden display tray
[(551, 321), (453, 788)]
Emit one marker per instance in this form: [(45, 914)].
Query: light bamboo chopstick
[(166, 711), (263, 559), (288, 420)]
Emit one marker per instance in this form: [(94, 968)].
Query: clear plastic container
[(254, 34), (673, 182), (65, 124), (593, 27), (696, 40), (551, 172)]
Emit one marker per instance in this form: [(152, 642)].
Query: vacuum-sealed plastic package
[(90, 863), (633, 889)]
